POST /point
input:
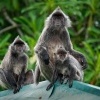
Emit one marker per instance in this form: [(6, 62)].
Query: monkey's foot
[(17, 89), (69, 81), (61, 81)]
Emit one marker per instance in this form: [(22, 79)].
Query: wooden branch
[(13, 24), (8, 18), (8, 28)]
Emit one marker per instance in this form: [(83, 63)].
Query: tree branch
[(13, 24), (7, 29)]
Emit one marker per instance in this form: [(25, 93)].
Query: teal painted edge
[(77, 85), (86, 88)]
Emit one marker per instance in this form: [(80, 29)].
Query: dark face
[(19, 47), (61, 54), (58, 20)]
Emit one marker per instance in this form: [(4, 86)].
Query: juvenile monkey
[(14, 65), (54, 35), (67, 68)]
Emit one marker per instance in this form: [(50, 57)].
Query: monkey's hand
[(49, 86), (44, 56)]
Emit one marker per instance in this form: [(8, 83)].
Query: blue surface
[(79, 91)]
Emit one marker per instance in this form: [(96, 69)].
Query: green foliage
[(29, 15)]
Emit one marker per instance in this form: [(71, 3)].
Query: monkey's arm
[(69, 47), (66, 40), (29, 77), (37, 75), (20, 81)]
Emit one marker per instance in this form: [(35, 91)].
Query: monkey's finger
[(49, 86), (66, 80), (70, 83)]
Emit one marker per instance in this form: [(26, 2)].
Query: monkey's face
[(58, 19), (19, 46), (61, 54)]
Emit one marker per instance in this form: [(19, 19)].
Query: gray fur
[(29, 77), (14, 65), (54, 36)]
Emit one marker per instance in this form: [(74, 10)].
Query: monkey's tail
[(3, 80)]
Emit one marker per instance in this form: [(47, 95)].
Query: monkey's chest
[(53, 45), (18, 68)]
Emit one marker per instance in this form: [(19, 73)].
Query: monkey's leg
[(29, 77), (7, 79), (20, 81), (10, 79), (53, 80), (71, 76), (37, 75)]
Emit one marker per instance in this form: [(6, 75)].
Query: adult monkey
[(53, 37), (14, 65)]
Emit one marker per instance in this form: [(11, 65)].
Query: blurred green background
[(26, 18)]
